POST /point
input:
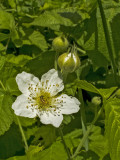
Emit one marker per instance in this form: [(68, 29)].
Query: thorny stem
[(108, 41), (22, 133), (66, 148), (86, 134)]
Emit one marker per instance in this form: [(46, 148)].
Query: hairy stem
[(22, 133), (86, 135), (65, 146), (56, 59), (108, 41), (83, 116)]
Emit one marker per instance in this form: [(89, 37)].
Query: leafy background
[(27, 29)]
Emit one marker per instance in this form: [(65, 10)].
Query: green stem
[(2, 85), (86, 135), (23, 135), (64, 77), (108, 41), (33, 7), (66, 148), (83, 118), (56, 59), (82, 111), (82, 51)]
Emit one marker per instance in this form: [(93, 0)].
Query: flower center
[(43, 100)]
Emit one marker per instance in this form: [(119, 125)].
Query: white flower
[(39, 98)]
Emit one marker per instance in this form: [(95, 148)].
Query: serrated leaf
[(47, 133), (30, 131), (112, 125), (86, 86), (56, 150), (33, 150), (95, 42), (19, 60), (91, 88), (6, 115), (51, 18), (107, 92), (39, 40)]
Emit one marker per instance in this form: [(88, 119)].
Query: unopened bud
[(60, 44), (69, 62), (96, 100)]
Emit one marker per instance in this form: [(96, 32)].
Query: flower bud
[(60, 44), (96, 100), (68, 62)]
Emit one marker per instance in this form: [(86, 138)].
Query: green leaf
[(55, 151), (112, 127), (91, 88), (98, 142), (2, 47), (86, 86), (11, 87), (4, 36), (47, 133), (6, 115), (25, 121), (11, 142), (38, 39), (30, 131), (39, 65), (6, 20), (19, 60), (17, 158), (2, 61), (98, 59), (50, 19), (33, 150), (12, 3), (107, 92)]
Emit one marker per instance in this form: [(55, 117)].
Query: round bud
[(60, 44), (96, 101), (68, 62), (117, 94)]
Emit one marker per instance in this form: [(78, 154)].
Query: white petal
[(67, 104), (24, 79), (20, 109), (52, 82), (49, 118)]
